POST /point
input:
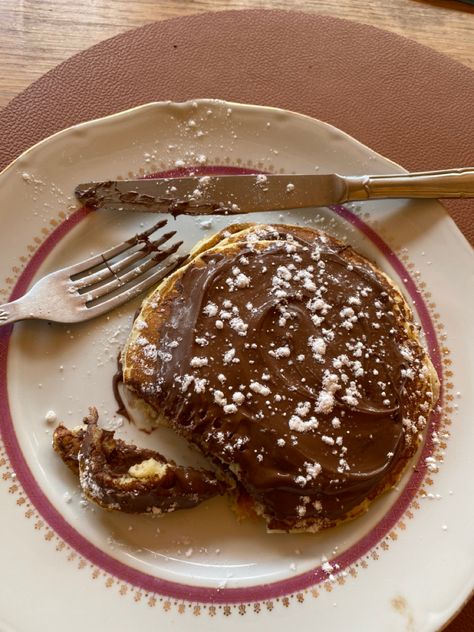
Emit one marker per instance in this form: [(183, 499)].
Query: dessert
[(119, 476), (292, 363)]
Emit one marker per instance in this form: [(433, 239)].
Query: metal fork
[(98, 284)]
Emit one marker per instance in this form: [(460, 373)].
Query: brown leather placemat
[(404, 100)]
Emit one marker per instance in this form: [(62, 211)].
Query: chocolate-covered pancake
[(123, 477), (293, 363)]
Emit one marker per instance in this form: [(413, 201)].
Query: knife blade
[(224, 195)]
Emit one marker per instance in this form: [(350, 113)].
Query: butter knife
[(233, 194)]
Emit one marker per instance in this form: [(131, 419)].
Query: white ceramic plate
[(408, 564)]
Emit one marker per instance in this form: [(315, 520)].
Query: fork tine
[(136, 272), (135, 290), (96, 260), (115, 268)]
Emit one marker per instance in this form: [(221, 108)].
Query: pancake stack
[(290, 361)]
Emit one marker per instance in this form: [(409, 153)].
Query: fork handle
[(11, 312), (451, 183)]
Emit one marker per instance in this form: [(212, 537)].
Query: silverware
[(98, 284), (228, 195)]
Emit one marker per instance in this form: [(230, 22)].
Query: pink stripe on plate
[(177, 590)]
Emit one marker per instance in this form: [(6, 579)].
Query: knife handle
[(452, 183)]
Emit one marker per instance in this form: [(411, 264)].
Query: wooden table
[(39, 34), (36, 35)]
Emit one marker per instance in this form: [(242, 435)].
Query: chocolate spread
[(103, 465), (290, 366)]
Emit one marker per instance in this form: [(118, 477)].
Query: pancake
[(122, 477), (293, 363)]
